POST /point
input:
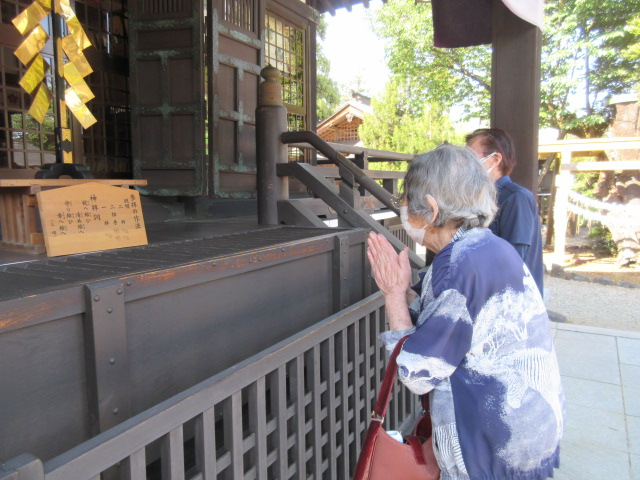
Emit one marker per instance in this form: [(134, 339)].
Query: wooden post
[(563, 184), (22, 467), (515, 88), (271, 122)]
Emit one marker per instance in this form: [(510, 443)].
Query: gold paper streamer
[(34, 74), (74, 71), (64, 119), (67, 155), (78, 33), (60, 64), (30, 17), (63, 7), (41, 102), (31, 45), (73, 77), (76, 56), (79, 109)]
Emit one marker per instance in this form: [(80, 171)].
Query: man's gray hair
[(461, 187)]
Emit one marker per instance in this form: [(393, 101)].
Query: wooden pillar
[(515, 88), (271, 122)]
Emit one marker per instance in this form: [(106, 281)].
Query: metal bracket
[(106, 353)]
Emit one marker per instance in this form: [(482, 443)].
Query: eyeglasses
[(397, 200)]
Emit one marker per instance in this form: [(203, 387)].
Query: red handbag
[(383, 457)]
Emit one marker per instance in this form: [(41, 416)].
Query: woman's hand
[(391, 271)]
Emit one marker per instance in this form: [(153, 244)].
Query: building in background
[(342, 126)]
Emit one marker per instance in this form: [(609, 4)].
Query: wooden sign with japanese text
[(90, 217)]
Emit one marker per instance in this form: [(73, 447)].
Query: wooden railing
[(345, 200), (296, 410), (564, 180)]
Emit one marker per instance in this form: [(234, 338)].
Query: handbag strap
[(380, 408)]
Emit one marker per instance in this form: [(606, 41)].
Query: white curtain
[(530, 10)]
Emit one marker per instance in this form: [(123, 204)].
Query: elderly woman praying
[(480, 343)]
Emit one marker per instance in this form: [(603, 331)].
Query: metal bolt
[(112, 360), (213, 264), (344, 211), (128, 283), (282, 249), (116, 411), (96, 298), (109, 310), (119, 291)]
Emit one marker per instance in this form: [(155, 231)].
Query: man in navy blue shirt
[(517, 220)]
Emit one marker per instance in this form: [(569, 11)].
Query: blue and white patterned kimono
[(482, 346)]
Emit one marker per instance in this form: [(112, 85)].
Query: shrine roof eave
[(324, 6)]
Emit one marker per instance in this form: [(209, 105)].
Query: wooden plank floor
[(170, 244)]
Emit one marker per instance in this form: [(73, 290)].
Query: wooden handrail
[(590, 144), (379, 155), (360, 176)]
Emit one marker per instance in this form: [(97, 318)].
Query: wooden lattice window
[(347, 133), (241, 13), (285, 50)]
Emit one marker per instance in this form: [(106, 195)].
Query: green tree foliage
[(581, 55), (632, 52), (581, 61), (400, 122), (446, 76), (327, 91)]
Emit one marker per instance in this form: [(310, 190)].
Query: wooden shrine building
[(342, 126), (236, 348)]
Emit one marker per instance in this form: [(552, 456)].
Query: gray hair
[(461, 187)]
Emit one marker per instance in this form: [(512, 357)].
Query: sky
[(354, 50)]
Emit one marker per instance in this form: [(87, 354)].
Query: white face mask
[(484, 159), (415, 234)]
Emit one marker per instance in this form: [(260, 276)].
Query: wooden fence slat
[(206, 444), (134, 466), (280, 403), (298, 399), (315, 381), (258, 425), (330, 377), (173, 455), (232, 419), (343, 338)]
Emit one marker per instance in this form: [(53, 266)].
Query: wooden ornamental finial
[(270, 91)]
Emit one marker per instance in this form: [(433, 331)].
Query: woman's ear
[(434, 208)]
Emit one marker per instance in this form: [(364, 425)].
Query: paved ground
[(600, 371), (597, 341)]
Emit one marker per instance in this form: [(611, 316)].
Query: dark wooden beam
[(347, 5), (329, 7), (515, 88)]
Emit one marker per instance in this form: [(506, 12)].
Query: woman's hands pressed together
[(392, 273)]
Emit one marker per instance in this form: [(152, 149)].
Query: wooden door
[(236, 55), (168, 107)]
